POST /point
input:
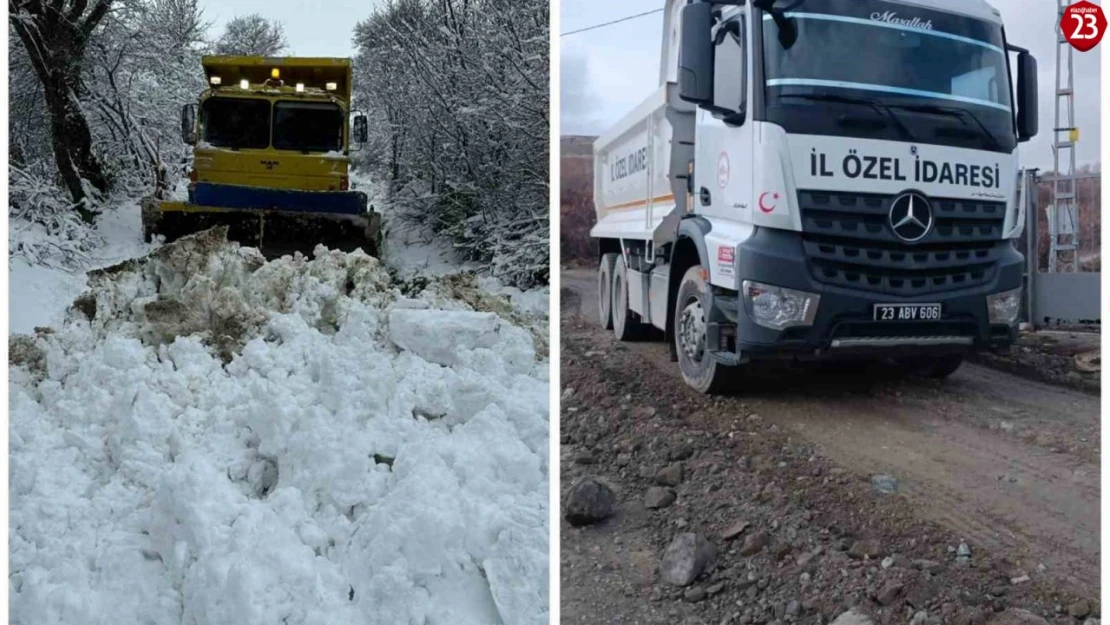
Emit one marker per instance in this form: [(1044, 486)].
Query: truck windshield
[(308, 126), (236, 122), (885, 70)]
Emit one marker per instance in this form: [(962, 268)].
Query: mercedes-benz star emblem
[(911, 217)]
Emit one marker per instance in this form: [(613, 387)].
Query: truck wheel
[(699, 370), (626, 323), (605, 289), (942, 367)]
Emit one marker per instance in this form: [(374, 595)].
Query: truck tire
[(605, 289), (698, 368), (626, 323), (941, 367)]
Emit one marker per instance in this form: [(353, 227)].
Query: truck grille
[(849, 243)]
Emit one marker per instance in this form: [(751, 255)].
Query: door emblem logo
[(911, 217), (724, 170), (768, 206)]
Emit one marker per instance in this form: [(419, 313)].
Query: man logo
[(269, 164), (911, 217)]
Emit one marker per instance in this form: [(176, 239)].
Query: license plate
[(907, 312)]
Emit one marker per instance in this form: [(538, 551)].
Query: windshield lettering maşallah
[(890, 17)]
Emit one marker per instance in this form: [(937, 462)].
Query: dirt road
[(1003, 464)]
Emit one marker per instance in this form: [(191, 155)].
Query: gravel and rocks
[(1051, 355), (795, 539)]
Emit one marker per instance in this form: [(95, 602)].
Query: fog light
[(778, 308), (244, 84), (1004, 307)]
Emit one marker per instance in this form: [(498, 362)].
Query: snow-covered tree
[(55, 36), (457, 95), (129, 80), (252, 35)]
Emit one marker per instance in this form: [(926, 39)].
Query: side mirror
[(1027, 96), (360, 132), (189, 124), (695, 54)]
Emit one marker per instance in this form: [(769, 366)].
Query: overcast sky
[(608, 71), (313, 27)]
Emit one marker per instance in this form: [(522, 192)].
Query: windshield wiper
[(958, 113), (879, 107)]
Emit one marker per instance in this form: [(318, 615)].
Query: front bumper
[(241, 197), (844, 325)]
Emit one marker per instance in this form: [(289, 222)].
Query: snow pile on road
[(211, 438)]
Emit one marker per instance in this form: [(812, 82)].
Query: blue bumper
[(247, 198)]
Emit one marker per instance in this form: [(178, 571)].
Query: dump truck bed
[(314, 72)]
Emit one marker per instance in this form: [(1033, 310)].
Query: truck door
[(723, 171), (724, 145)]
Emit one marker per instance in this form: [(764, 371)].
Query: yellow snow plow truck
[(271, 143)]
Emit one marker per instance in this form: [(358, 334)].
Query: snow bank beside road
[(217, 439), (40, 293)]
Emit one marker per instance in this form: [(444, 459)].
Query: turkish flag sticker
[(1083, 24)]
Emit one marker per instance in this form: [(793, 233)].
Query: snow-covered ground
[(207, 437), (409, 250), (39, 295)]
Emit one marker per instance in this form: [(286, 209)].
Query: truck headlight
[(1004, 307), (777, 308)]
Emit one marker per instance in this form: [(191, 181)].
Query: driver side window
[(730, 72)]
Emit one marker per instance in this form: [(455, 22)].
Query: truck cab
[(819, 180), (273, 123), (271, 144)]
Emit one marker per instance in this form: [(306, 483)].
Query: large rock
[(755, 543), (1080, 609), (589, 501), (861, 549), (686, 557), (853, 617), (671, 475), (1017, 616), (891, 592), (884, 484), (659, 497)]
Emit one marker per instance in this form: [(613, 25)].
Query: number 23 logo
[(1088, 20), (1083, 25)]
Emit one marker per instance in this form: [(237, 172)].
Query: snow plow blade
[(274, 231)]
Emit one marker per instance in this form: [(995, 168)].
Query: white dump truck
[(819, 180)]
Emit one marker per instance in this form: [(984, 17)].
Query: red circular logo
[(724, 170), (1083, 24)]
